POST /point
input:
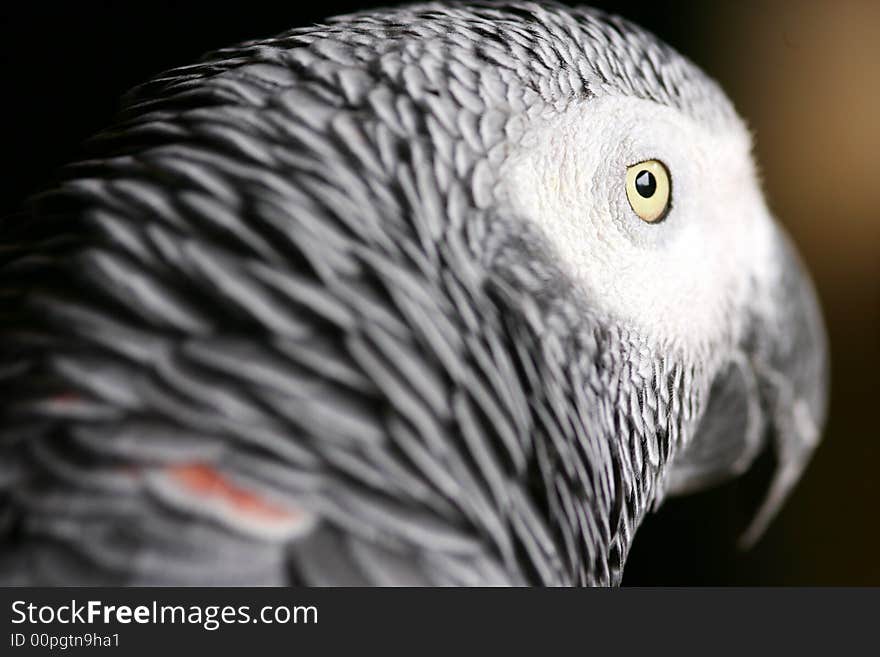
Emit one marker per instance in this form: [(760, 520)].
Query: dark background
[(806, 75)]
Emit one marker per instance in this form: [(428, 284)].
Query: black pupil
[(646, 184)]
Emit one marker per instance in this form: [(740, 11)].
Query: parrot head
[(646, 191)]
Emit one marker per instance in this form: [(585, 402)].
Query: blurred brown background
[(806, 75)]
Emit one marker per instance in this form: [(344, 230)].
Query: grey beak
[(774, 387), (788, 353)]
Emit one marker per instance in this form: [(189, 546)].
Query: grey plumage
[(286, 264)]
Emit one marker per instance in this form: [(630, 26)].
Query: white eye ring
[(648, 190)]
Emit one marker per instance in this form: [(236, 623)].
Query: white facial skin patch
[(676, 280)]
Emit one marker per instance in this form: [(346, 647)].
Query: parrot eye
[(647, 189)]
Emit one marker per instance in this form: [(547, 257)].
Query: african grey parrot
[(440, 294)]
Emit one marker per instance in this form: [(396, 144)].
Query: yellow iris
[(647, 189)]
